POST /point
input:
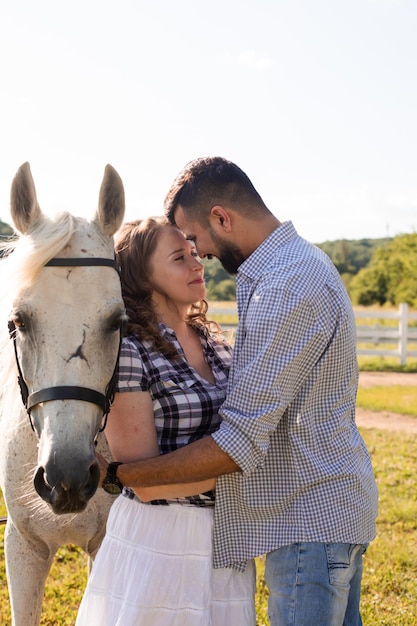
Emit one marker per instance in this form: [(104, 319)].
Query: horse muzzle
[(69, 493)]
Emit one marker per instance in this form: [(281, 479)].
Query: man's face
[(209, 242), (228, 253)]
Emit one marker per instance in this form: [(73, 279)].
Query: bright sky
[(316, 100)]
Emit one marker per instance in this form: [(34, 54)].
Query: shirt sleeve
[(131, 369), (283, 338)]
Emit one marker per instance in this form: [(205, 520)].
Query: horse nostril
[(94, 478), (95, 472), (41, 486)]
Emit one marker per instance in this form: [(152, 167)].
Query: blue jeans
[(315, 584)]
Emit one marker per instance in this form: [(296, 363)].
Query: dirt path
[(384, 419)]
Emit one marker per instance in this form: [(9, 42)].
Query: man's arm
[(196, 461), (169, 492)]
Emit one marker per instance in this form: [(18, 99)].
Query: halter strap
[(67, 393), (82, 262)]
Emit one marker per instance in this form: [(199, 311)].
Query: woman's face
[(176, 272)]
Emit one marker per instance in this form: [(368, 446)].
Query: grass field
[(393, 398), (390, 576)]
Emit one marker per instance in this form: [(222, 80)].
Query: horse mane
[(25, 255), (21, 259)]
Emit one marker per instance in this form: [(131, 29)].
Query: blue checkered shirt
[(185, 406), (288, 419)]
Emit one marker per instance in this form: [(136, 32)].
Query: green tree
[(391, 275), (224, 290), (220, 285), (350, 256)]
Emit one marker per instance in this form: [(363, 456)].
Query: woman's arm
[(130, 429), (131, 436)]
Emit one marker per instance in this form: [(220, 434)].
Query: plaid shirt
[(185, 405), (289, 416)]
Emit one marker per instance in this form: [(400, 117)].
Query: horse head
[(66, 319)]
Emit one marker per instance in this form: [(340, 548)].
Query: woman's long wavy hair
[(135, 244)]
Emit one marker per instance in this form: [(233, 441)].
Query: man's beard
[(228, 254)]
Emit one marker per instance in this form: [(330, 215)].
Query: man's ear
[(220, 218)]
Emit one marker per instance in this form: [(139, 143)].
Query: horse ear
[(24, 207), (111, 202)]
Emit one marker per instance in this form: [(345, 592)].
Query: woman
[(154, 566)]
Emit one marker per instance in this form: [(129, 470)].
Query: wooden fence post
[(403, 333)]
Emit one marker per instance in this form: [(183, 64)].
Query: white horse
[(65, 320)]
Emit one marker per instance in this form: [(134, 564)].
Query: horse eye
[(117, 323), (15, 323)]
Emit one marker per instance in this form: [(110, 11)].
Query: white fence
[(403, 335), (397, 339)]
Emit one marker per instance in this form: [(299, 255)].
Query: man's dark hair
[(208, 181)]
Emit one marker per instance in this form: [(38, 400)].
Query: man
[(296, 480)]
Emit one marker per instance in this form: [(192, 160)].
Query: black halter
[(68, 392)]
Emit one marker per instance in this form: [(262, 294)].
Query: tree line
[(374, 271)]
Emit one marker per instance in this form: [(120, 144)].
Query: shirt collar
[(166, 330), (254, 265)]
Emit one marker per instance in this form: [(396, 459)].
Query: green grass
[(386, 364), (390, 577), (393, 398)]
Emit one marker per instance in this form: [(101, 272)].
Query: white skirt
[(154, 568)]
